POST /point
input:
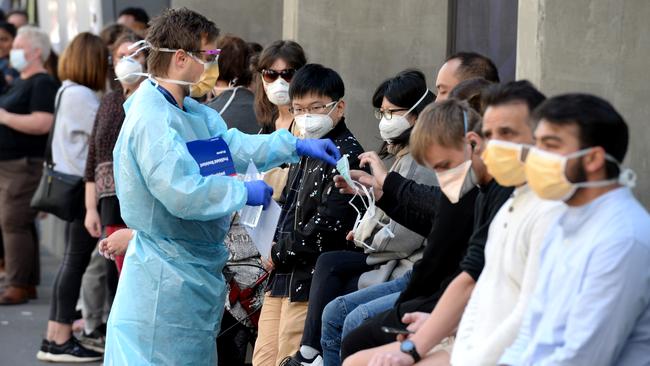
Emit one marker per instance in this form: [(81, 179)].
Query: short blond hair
[(442, 123), (37, 39)]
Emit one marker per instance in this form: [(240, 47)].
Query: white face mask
[(17, 59), (458, 181), (315, 126), (128, 71), (277, 92), (144, 44), (343, 167), (398, 124)]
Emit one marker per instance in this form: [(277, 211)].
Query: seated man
[(591, 305), (493, 315), (315, 217), (445, 140), (495, 310)]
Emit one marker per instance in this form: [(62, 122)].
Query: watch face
[(407, 346)]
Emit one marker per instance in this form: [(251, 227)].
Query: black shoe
[(72, 351), (44, 353), (299, 360), (94, 341)]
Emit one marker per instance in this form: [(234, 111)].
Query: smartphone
[(391, 330)]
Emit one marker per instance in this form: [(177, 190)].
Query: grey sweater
[(393, 256)]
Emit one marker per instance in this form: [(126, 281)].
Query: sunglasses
[(272, 75)]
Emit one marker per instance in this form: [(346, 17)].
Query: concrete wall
[(596, 46), (253, 20), (367, 42)]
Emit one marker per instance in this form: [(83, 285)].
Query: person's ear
[(595, 160), (180, 59), (35, 54), (340, 109), (475, 141)]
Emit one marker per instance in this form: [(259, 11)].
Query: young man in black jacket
[(447, 142), (315, 216)]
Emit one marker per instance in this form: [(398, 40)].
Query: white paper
[(262, 234)]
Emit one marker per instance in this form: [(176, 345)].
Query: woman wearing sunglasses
[(276, 66)]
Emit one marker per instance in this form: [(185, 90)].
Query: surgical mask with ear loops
[(392, 128), (361, 191), (546, 174), (458, 181)]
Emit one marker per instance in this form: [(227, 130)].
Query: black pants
[(68, 280), (233, 341), (369, 334), (337, 273)]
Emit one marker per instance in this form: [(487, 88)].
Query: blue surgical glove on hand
[(259, 193), (323, 149)]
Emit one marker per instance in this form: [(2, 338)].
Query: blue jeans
[(347, 312)]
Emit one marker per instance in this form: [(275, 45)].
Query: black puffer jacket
[(315, 218)]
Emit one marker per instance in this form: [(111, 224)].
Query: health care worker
[(169, 303)]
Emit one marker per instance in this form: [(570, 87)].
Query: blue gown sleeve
[(172, 176), (266, 151)]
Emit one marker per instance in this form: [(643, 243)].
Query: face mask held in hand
[(546, 174), (343, 167)]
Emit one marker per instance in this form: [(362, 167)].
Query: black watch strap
[(411, 350)]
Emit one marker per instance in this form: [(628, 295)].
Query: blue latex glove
[(323, 149), (259, 193)]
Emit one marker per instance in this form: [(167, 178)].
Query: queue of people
[(504, 231)]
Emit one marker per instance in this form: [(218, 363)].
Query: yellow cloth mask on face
[(207, 81), (503, 160), (546, 174)]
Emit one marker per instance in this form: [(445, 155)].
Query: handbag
[(58, 193)]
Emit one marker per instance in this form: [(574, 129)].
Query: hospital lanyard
[(169, 96)]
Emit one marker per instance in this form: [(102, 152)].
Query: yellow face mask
[(546, 175), (207, 81), (504, 162)]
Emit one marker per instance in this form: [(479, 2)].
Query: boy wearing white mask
[(315, 217), (591, 305)]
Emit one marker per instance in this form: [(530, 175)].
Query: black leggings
[(336, 274), (68, 280)]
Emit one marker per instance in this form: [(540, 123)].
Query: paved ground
[(23, 326)]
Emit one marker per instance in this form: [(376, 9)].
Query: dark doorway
[(487, 27)]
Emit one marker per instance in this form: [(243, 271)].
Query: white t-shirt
[(74, 124), (496, 308)]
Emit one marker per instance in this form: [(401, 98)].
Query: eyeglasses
[(202, 56), (209, 56), (388, 113), (317, 109), (272, 75)]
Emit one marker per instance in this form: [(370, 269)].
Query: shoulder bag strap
[(48, 145)]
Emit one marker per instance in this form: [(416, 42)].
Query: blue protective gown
[(170, 298)]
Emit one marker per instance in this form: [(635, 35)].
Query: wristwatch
[(408, 347)]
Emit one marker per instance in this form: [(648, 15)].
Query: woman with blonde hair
[(83, 67)]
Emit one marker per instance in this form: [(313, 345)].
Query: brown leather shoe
[(31, 293), (14, 295)]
